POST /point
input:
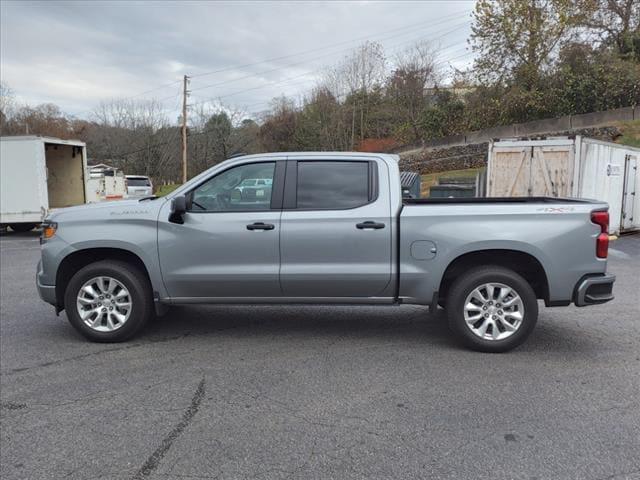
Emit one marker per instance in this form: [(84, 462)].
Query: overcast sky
[(75, 54)]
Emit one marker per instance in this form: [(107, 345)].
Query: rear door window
[(138, 182), (328, 185)]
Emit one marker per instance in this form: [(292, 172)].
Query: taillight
[(602, 242)]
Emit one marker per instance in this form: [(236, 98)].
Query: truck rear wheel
[(492, 309), (22, 227), (108, 301)]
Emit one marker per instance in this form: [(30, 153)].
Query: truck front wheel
[(108, 301), (492, 309)]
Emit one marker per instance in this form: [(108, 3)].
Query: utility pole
[(185, 93)]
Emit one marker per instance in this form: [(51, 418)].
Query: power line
[(92, 110), (204, 132), (208, 99), (406, 27), (313, 71), (313, 59), (347, 93)]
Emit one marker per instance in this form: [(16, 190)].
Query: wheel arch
[(523, 263), (81, 258)]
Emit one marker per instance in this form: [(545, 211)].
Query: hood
[(114, 208)]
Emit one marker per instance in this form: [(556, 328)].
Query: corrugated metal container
[(568, 167)]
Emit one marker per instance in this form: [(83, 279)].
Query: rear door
[(335, 238)]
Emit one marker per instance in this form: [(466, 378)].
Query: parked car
[(139, 186), (254, 183), (334, 230), (38, 174)]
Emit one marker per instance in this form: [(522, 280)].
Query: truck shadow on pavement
[(11, 235), (409, 325)]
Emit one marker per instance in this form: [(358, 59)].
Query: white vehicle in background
[(38, 174), (105, 183), (254, 183), (139, 186)]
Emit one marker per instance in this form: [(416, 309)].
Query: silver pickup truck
[(328, 228)]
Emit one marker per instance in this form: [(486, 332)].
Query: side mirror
[(178, 209)]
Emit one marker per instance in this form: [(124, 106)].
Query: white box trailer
[(569, 167), (38, 174)]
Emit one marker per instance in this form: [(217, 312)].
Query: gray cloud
[(76, 53)]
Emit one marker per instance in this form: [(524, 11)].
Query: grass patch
[(431, 179), (630, 134), (165, 189)]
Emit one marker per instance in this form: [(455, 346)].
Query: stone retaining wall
[(473, 155)]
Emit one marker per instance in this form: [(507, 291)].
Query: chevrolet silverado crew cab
[(324, 228)]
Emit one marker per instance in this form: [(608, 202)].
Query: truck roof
[(41, 138), (334, 155)]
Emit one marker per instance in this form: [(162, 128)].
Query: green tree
[(516, 40), (218, 130)]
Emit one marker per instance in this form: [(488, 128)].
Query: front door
[(336, 229), (228, 245)]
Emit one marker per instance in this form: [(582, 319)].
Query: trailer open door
[(65, 174)]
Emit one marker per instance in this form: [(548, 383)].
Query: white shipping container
[(567, 167), (38, 174)]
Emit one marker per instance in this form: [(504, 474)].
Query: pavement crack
[(92, 354), (12, 406), (154, 460)]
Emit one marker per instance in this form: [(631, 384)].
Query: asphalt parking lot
[(317, 392)]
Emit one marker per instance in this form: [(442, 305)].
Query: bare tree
[(7, 104), (130, 133), (131, 114), (356, 76), (416, 71)]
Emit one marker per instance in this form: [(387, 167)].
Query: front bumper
[(46, 292), (593, 290)]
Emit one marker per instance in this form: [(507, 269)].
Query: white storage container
[(38, 174), (568, 167)]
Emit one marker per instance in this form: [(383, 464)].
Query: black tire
[(22, 227), (475, 278), (135, 282)]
